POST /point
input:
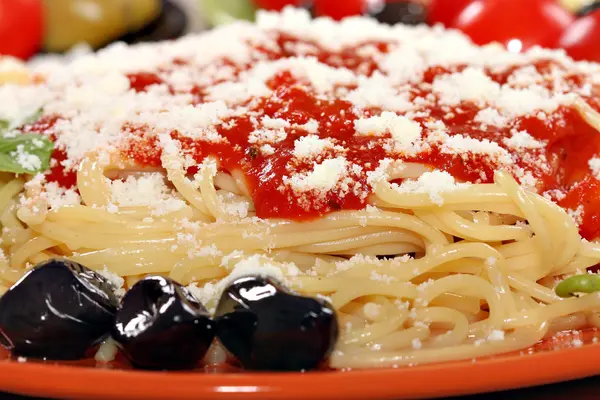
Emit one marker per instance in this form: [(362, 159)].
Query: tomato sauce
[(571, 142), (141, 80)]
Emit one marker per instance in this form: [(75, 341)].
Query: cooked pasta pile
[(435, 191)]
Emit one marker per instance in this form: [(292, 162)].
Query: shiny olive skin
[(161, 325), (266, 327), (58, 310)]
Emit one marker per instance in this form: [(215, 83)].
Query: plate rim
[(498, 373)]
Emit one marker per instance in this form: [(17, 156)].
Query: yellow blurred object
[(575, 5), (140, 12), (95, 22), (13, 70)]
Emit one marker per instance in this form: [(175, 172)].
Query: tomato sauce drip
[(571, 142), (141, 80), (57, 173)]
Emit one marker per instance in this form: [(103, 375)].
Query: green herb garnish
[(23, 153)]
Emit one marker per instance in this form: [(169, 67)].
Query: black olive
[(57, 310), (588, 9), (161, 325), (397, 12), (266, 327)]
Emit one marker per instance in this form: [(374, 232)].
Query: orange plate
[(548, 362)]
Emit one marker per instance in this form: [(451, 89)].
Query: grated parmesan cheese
[(416, 344), (404, 132), (372, 310), (523, 140), (491, 116), (58, 196), (115, 280), (496, 335), (576, 215), (311, 146), (323, 177), (594, 164), (274, 123), (312, 126), (472, 84), (433, 183), (146, 190)]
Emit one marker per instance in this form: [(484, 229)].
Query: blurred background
[(29, 28)]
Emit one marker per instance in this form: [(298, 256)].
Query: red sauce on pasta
[(570, 143)]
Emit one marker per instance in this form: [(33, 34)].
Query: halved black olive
[(161, 325), (268, 328), (397, 12), (57, 310)]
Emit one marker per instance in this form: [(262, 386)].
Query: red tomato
[(445, 11), (21, 27), (276, 5), (519, 24), (338, 9), (582, 39)]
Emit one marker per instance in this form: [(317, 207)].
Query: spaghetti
[(435, 191)]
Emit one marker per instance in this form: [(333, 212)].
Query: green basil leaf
[(6, 125), (26, 153)]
